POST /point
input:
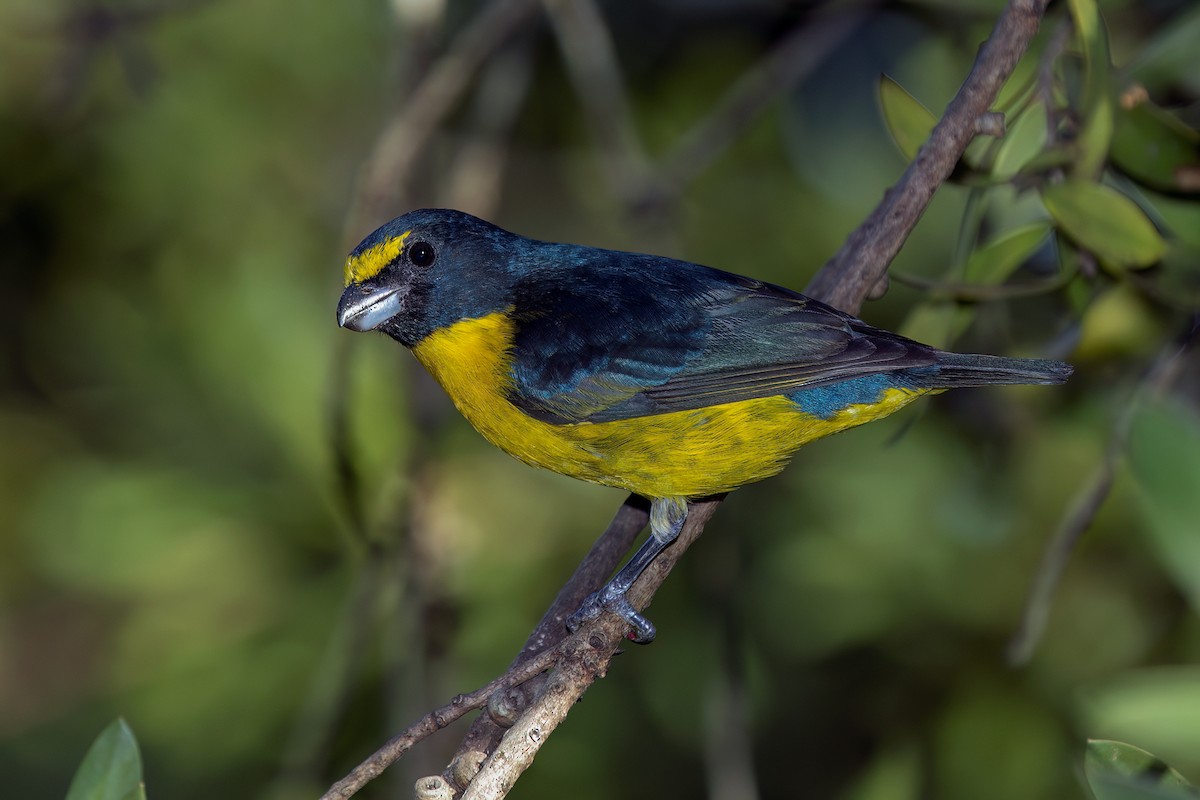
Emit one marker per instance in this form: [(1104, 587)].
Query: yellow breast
[(681, 454)]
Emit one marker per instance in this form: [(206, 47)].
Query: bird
[(666, 378)]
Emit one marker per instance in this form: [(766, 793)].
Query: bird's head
[(426, 270)]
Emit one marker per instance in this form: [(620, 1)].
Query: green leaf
[(1048, 159), (112, 768), (1179, 216), (1119, 771), (1024, 139), (1156, 149), (995, 261), (936, 322), (1104, 221), (1081, 292), (1096, 126), (909, 122)]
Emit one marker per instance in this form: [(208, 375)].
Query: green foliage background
[(174, 548)]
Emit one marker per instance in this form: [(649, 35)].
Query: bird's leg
[(667, 515)]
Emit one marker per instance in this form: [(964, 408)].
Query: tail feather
[(956, 370)]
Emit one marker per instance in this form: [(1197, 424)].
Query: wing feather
[(618, 335)]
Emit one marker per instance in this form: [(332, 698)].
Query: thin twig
[(475, 180), (572, 676), (591, 61), (788, 63), (1089, 501), (979, 292), (432, 722), (388, 171), (593, 570), (522, 742), (847, 277)]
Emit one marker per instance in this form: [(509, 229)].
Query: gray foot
[(607, 600)]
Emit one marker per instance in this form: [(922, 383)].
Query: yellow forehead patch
[(371, 261)]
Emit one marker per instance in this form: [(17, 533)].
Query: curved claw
[(616, 602), (588, 610), (643, 629)]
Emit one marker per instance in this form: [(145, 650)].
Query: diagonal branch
[(597, 565), (848, 277), (432, 722), (571, 678)]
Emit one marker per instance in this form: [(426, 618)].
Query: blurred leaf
[(1048, 159), (995, 261), (1119, 771), (1080, 291), (1165, 458), (1024, 140), (909, 122), (1154, 707), (112, 768), (1156, 149), (1179, 216), (1118, 322), (1095, 130), (1105, 222), (1023, 83), (1172, 56), (936, 322)]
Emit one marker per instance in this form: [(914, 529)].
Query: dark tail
[(957, 370)]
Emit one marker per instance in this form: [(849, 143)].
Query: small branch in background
[(588, 53), (388, 171), (477, 173), (432, 722), (582, 662), (959, 292), (788, 63), (1090, 500), (864, 258), (1046, 72)]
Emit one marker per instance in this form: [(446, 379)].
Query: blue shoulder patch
[(826, 401)]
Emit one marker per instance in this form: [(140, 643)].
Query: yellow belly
[(680, 454)]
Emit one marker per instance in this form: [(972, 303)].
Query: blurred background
[(269, 544)]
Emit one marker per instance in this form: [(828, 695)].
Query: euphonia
[(662, 377)]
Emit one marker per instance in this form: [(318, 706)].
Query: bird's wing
[(624, 336)]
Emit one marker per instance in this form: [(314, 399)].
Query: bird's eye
[(421, 254)]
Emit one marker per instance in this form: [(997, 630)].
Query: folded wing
[(620, 336)]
